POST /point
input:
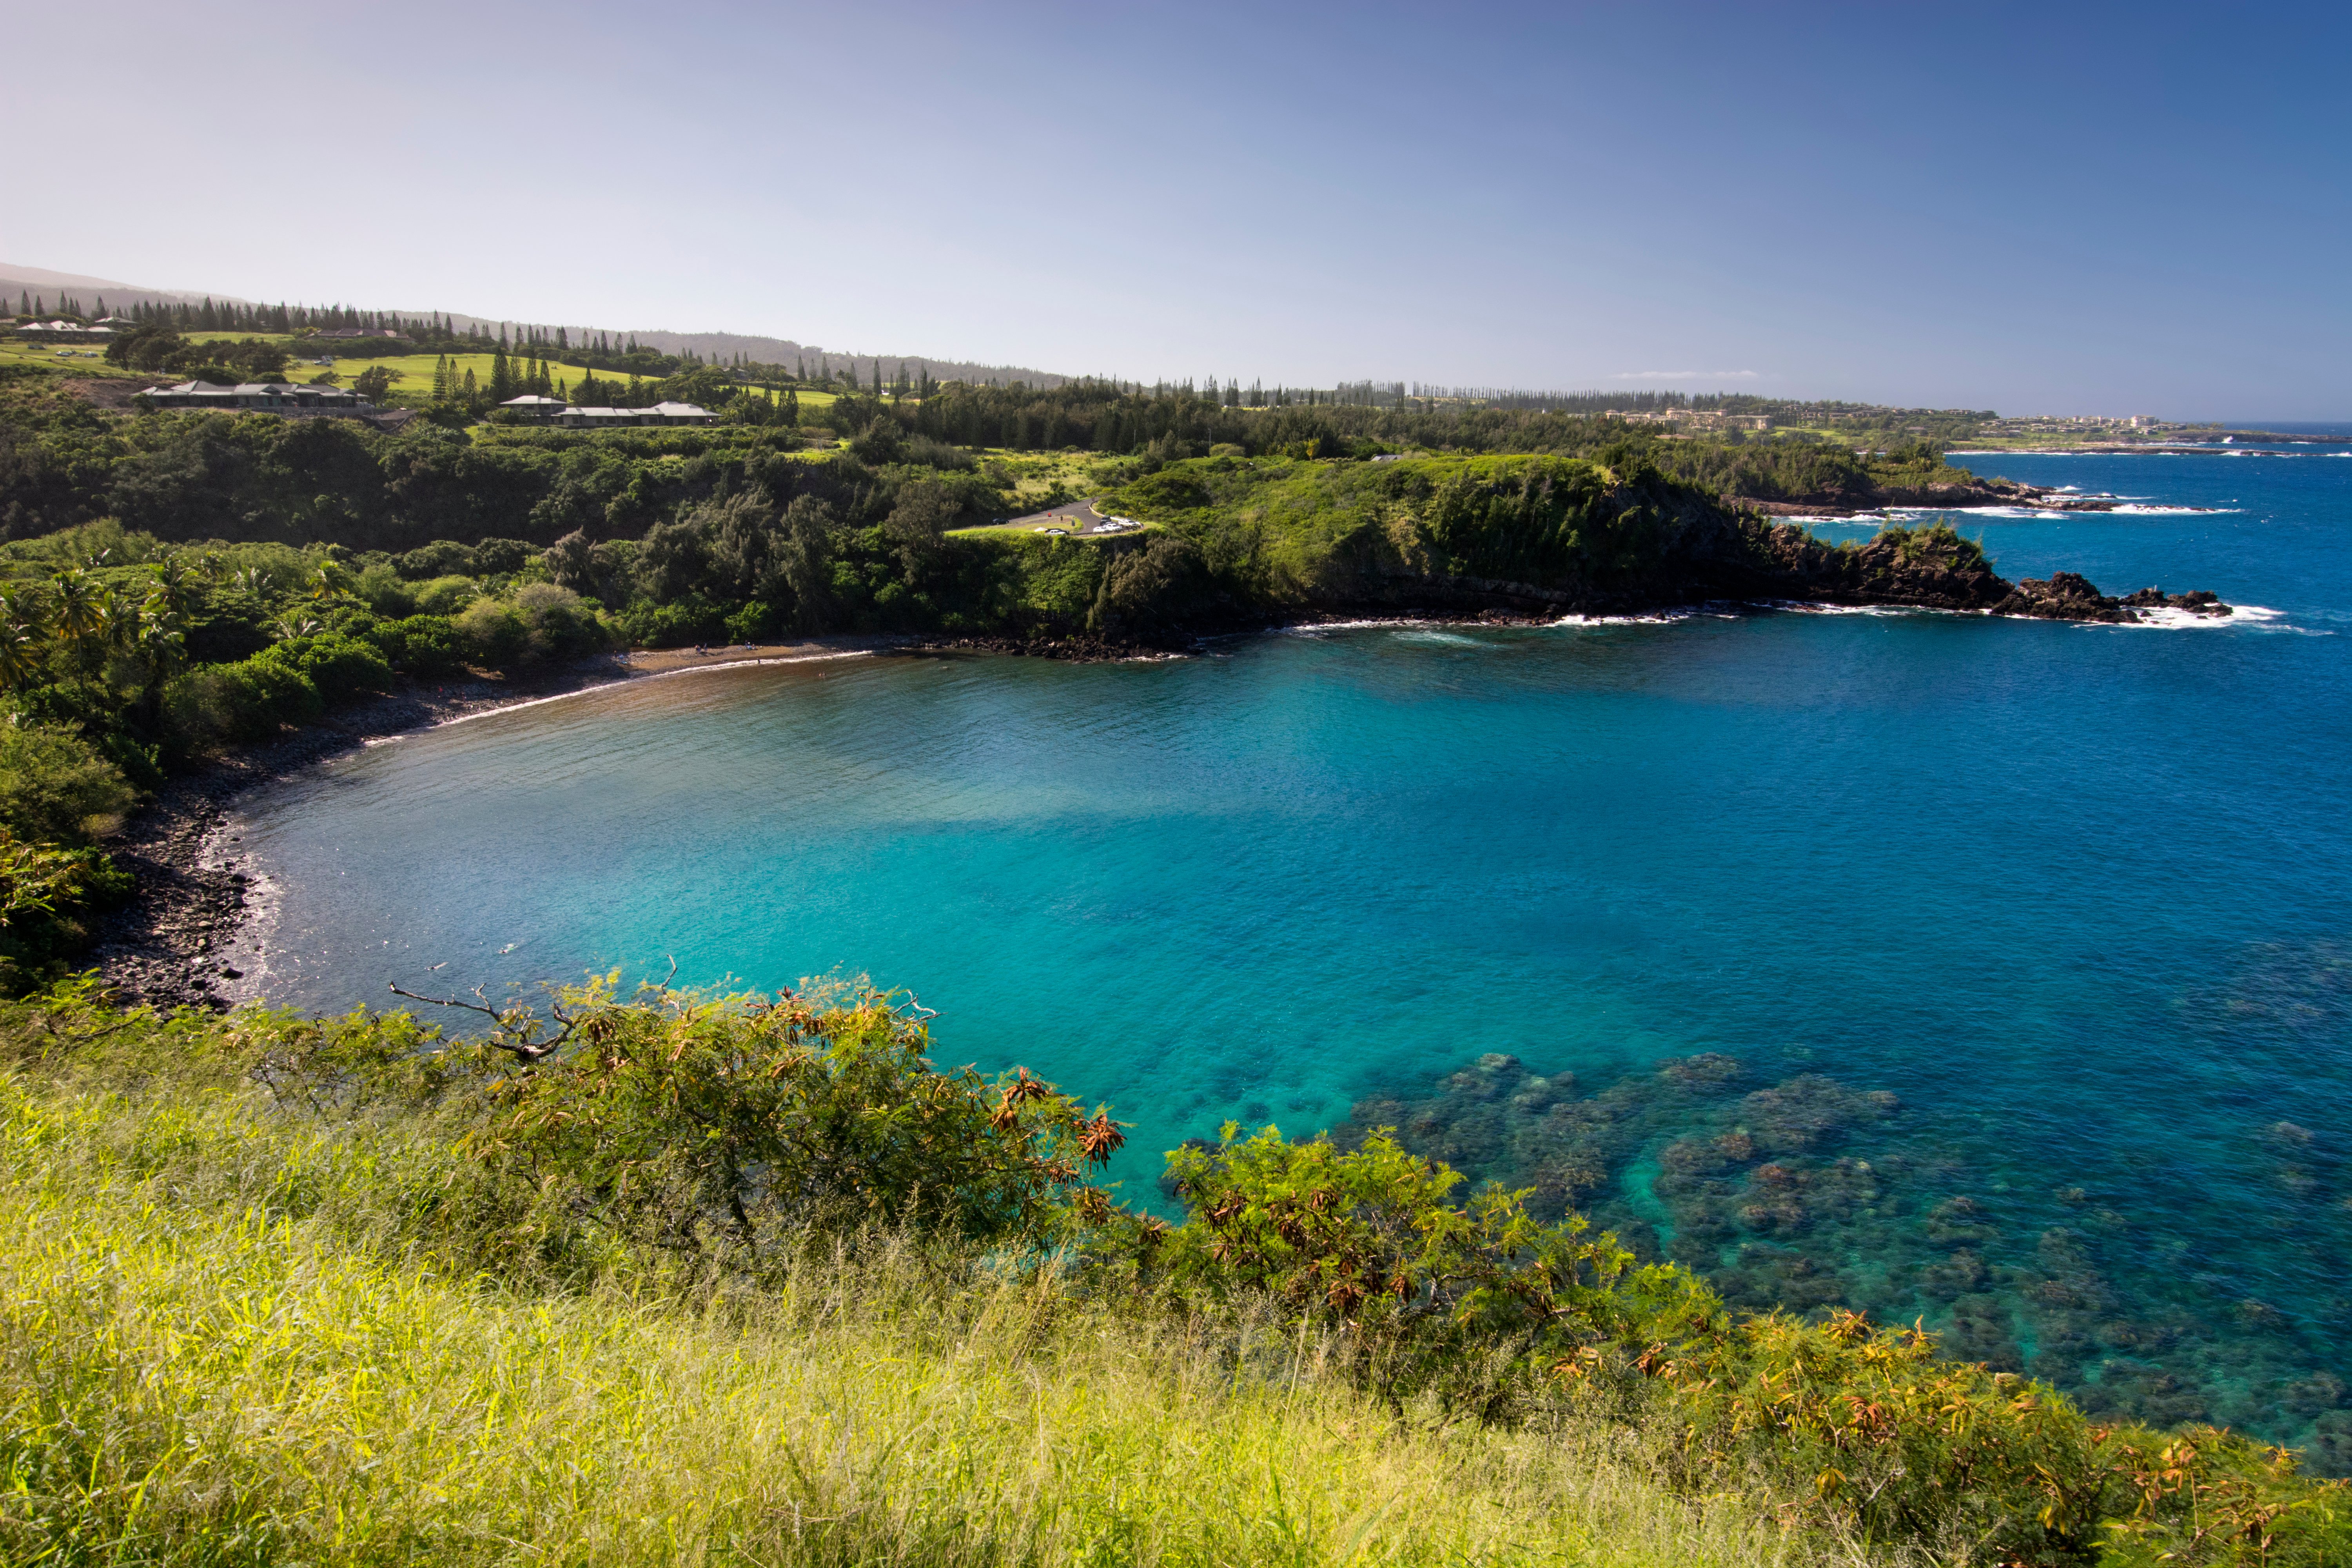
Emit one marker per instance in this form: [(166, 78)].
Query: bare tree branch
[(517, 1022)]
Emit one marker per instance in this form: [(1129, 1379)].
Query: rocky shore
[(1931, 569), (171, 944)]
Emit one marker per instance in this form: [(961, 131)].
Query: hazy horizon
[(2091, 211)]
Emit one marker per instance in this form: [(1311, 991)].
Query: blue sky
[(2094, 209)]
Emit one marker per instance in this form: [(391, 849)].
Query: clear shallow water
[(2022, 941)]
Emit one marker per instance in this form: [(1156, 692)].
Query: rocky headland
[(1936, 568), (1953, 496)]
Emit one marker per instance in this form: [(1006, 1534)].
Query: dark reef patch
[(2137, 1297)]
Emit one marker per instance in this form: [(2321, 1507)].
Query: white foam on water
[(1809, 607), (1652, 618), (2135, 508), (1430, 636), (1316, 628), (2167, 619)]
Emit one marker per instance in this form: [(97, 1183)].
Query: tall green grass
[(213, 1350)]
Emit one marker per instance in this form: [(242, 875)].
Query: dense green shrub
[(687, 1122), (55, 787), (494, 633), (563, 625), (689, 620), (424, 646), (445, 595), (442, 558), (340, 668), (382, 589), (252, 699), (46, 894)]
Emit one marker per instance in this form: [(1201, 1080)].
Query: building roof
[(280, 389), (533, 400), (658, 411)]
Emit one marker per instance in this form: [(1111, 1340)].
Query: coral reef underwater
[(2161, 1299)]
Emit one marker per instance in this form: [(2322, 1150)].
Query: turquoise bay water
[(2030, 946)]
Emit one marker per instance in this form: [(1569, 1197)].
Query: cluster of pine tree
[(34, 307)]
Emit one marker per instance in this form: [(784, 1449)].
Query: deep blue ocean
[(1992, 972)]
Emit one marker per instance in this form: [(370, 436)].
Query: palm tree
[(22, 641), (175, 586), (83, 613), (160, 644), (326, 584)]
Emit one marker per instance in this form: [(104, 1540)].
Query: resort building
[(555, 411), (258, 398), (66, 333), (1697, 418)]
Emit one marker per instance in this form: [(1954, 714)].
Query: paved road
[(1077, 516)]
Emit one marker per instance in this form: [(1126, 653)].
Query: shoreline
[(186, 935), (181, 939)]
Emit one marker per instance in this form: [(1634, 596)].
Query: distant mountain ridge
[(721, 347)]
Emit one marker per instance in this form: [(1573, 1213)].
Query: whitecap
[(1813, 607), (2166, 618), (1316, 628), (1650, 618)]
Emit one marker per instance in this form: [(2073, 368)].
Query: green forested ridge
[(182, 475), (676, 1278)]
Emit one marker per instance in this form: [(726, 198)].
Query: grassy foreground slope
[(234, 1330), (686, 1279), (194, 1373)]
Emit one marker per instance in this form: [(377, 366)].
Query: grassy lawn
[(414, 384), (82, 361), (1040, 479)]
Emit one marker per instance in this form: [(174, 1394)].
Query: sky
[(2045, 208)]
